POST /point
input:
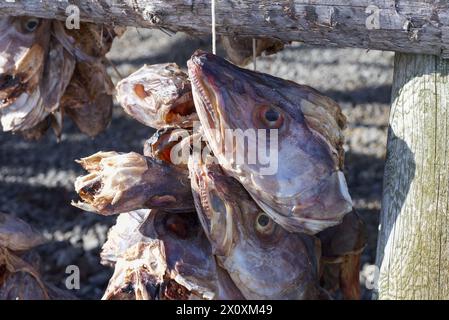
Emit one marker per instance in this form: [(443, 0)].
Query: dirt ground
[(36, 179)]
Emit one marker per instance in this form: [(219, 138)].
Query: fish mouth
[(204, 87)]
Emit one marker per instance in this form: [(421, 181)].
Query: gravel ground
[(36, 179)]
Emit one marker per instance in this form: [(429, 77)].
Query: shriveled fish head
[(23, 49), (118, 183), (23, 43), (264, 260), (299, 182), (158, 95), (167, 256), (165, 145), (17, 235)]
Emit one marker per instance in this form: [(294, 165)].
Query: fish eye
[(31, 24), (271, 117), (264, 224)]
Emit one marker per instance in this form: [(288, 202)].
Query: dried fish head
[(264, 260), (17, 235), (302, 188), (23, 49), (119, 183), (167, 256), (157, 96)]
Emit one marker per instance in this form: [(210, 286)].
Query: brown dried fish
[(119, 183), (240, 49), (159, 255), (88, 98), (20, 278), (264, 260), (157, 96), (341, 248), (304, 189), (88, 43)]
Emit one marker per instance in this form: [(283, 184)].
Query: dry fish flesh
[(88, 98), (157, 96), (307, 192), (119, 183), (159, 255)]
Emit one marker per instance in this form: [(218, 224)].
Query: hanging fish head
[(281, 140), (23, 43), (264, 260), (160, 255)]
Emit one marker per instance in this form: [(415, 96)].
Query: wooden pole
[(413, 247), (411, 26)]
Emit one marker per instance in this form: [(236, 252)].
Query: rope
[(214, 31)]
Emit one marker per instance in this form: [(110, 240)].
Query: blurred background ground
[(36, 178)]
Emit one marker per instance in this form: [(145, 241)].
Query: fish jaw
[(26, 112)]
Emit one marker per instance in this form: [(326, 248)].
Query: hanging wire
[(254, 54), (214, 33)]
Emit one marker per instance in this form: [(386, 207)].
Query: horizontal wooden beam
[(410, 26)]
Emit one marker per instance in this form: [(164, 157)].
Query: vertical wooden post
[(413, 246)]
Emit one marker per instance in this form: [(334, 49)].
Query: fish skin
[(265, 262), (17, 235), (159, 255), (118, 183), (22, 58), (157, 96), (88, 99), (308, 193), (58, 72), (88, 43)]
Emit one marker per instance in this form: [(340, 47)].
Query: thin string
[(214, 33), (254, 54)]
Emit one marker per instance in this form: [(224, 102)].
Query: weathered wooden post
[(413, 246)]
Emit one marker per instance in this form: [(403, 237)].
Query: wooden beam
[(413, 247), (410, 26)]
